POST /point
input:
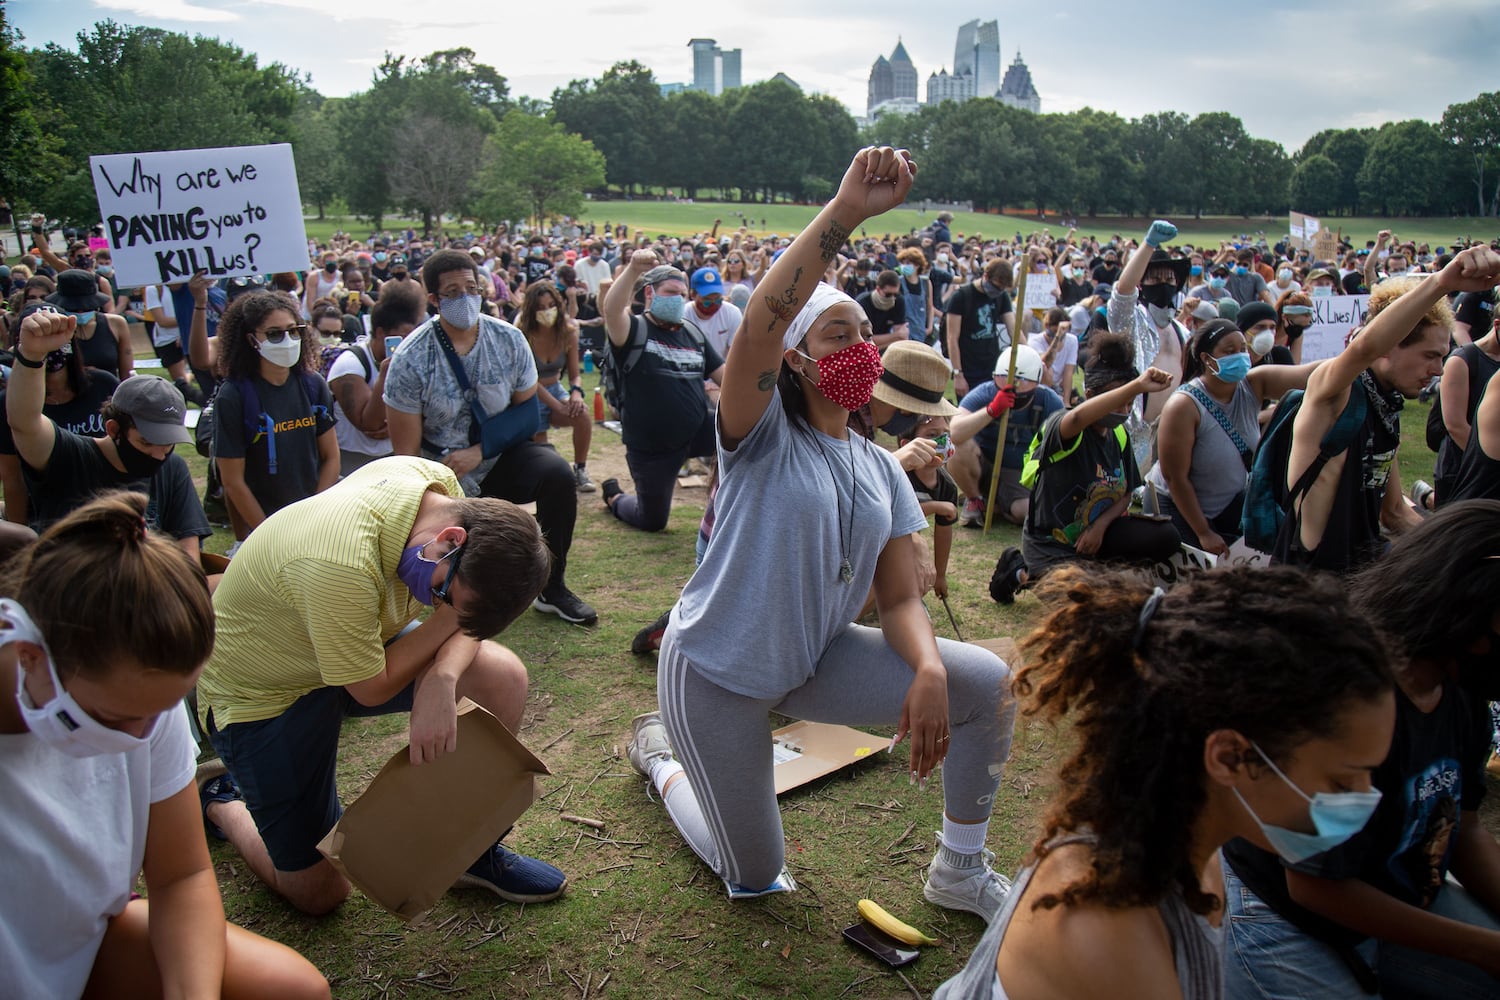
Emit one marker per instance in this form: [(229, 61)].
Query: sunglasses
[(277, 336), (441, 593)]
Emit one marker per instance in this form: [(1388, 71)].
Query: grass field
[(643, 917)]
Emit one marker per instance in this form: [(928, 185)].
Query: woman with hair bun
[(96, 772), (1179, 746)]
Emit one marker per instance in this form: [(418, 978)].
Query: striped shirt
[(312, 596)]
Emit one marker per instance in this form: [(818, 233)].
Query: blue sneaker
[(215, 785), (513, 877)]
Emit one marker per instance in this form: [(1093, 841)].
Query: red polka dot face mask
[(848, 376)]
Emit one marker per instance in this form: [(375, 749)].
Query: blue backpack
[(1267, 499)]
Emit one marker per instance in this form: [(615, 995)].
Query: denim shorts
[(285, 767), (544, 412)]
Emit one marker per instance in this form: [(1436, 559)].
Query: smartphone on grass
[(879, 944)]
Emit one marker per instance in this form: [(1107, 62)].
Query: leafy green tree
[(835, 140), (772, 124), (29, 160), (1158, 141), (1347, 148), (1213, 167), (128, 89), (1404, 168), (698, 152), (1316, 185), (537, 168), (1107, 172), (315, 142), (1473, 127), (624, 115)]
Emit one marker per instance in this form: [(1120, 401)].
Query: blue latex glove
[(1160, 232)]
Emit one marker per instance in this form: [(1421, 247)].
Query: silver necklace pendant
[(846, 572)]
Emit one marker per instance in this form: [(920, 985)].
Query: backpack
[(1267, 499), (258, 422), (328, 355), (618, 362), (1032, 467)]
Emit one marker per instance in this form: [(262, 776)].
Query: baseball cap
[(476, 251), (706, 281), (156, 408)]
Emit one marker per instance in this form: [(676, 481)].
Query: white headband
[(823, 295)]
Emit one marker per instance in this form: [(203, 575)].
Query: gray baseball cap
[(156, 407)]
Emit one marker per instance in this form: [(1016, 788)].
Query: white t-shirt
[(160, 305), (350, 437), (592, 272), (1066, 355), (719, 328), (71, 845)]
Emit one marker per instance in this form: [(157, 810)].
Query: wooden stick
[(1015, 338), (597, 824)]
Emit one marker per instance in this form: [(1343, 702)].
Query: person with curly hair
[(274, 442), (1179, 747)]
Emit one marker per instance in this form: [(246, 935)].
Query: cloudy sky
[(1287, 69)]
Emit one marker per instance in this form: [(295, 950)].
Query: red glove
[(1004, 399)]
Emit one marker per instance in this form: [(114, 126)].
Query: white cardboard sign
[(231, 211), (1334, 317)]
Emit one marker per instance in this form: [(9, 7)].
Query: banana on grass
[(876, 915)]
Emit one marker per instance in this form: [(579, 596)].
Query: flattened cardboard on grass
[(405, 841), (1004, 647), (805, 751)]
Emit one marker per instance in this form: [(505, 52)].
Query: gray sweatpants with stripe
[(726, 810)]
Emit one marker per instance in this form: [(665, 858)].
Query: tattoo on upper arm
[(766, 380), (832, 240)]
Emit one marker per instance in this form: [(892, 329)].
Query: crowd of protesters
[(1276, 784)]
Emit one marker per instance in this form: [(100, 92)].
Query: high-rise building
[(1017, 90), (882, 85), (903, 73), (715, 70), (705, 64), (729, 66), (977, 54)]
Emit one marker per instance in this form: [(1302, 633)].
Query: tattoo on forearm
[(766, 380), (832, 240)]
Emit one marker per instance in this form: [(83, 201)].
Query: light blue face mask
[(1232, 367), (668, 309), (1217, 283), (1337, 816), (85, 318)]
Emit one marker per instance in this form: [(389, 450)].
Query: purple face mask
[(416, 570)]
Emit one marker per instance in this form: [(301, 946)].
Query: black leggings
[(529, 472), (1226, 525), (655, 477)]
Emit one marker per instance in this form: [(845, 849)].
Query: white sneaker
[(648, 743), (977, 887)]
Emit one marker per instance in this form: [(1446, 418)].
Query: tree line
[(443, 135)]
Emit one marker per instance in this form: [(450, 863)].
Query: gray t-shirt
[(767, 600), (420, 380)]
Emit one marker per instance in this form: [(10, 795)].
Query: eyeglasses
[(712, 300), (441, 593), (336, 331), (277, 336)]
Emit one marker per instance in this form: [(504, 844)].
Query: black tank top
[(1478, 473), (102, 350)]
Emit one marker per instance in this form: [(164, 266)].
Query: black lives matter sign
[(230, 212)]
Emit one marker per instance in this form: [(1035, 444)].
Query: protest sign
[(1334, 317), (231, 211), (97, 243), (1302, 229)]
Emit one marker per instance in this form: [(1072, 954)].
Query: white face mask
[(1262, 342), (284, 355), (61, 723)]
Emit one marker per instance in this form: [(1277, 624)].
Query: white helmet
[(1028, 364)]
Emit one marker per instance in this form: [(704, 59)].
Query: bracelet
[(200, 309), (577, 388), (26, 362)]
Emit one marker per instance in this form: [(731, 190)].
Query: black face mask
[(1160, 296), (991, 289), (901, 425), (1023, 399), (136, 462), (330, 267)]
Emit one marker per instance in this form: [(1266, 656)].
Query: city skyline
[(1291, 70)]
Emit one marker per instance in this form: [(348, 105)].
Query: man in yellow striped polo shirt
[(316, 622)]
